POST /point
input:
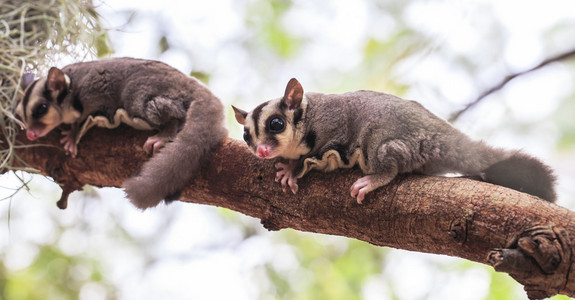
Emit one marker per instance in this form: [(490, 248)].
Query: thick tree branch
[(514, 232), (563, 56)]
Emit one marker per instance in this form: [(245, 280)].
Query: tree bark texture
[(514, 232)]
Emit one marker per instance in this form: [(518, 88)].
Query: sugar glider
[(145, 94), (382, 134)]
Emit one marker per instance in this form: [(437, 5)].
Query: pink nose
[(31, 135), (263, 151)]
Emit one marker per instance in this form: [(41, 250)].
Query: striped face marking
[(275, 128), (40, 108)]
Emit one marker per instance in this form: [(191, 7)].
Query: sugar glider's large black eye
[(247, 136), (40, 111), (276, 125)]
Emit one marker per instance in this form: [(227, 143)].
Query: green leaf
[(201, 76), (163, 44), (564, 120), (102, 45)]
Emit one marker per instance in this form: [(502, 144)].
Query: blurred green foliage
[(501, 287), (565, 122), (337, 269), (264, 21), (53, 275)]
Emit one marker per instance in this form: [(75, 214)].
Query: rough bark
[(514, 232)]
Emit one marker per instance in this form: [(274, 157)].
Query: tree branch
[(514, 232), (507, 79)]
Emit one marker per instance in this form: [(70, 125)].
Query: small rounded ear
[(293, 94), (240, 115), (56, 81), (27, 79)]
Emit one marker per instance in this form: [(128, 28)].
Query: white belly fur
[(120, 117)]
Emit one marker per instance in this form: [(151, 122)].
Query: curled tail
[(523, 173), (168, 172)]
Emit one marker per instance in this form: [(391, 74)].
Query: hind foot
[(154, 143), (366, 184), (360, 188)]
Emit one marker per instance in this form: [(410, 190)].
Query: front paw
[(285, 176), (69, 142)]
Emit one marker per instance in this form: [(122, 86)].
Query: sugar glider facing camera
[(144, 94), (382, 134)]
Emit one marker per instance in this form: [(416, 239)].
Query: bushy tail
[(168, 172), (523, 173)]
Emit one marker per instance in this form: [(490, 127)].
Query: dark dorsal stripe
[(26, 98), (47, 95), (256, 117), (283, 106), (61, 95), (297, 116)]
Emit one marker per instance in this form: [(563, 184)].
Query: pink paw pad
[(153, 144), (360, 188), (285, 176)]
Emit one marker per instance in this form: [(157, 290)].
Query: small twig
[(508, 78)]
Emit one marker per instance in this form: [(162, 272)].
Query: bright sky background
[(338, 29)]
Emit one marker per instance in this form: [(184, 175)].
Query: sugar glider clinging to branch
[(382, 134), (144, 94)]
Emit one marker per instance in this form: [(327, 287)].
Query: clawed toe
[(285, 176), (69, 142), (360, 188), (153, 144)]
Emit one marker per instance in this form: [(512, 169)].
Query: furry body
[(382, 134), (144, 94)]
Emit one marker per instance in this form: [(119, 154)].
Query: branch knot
[(539, 258)]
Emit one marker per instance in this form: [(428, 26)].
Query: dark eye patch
[(27, 95), (40, 110), (276, 124), (247, 137)]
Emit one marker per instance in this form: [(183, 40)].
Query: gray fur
[(152, 95), (385, 136), (395, 135), (400, 136), (146, 89), (170, 170)]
